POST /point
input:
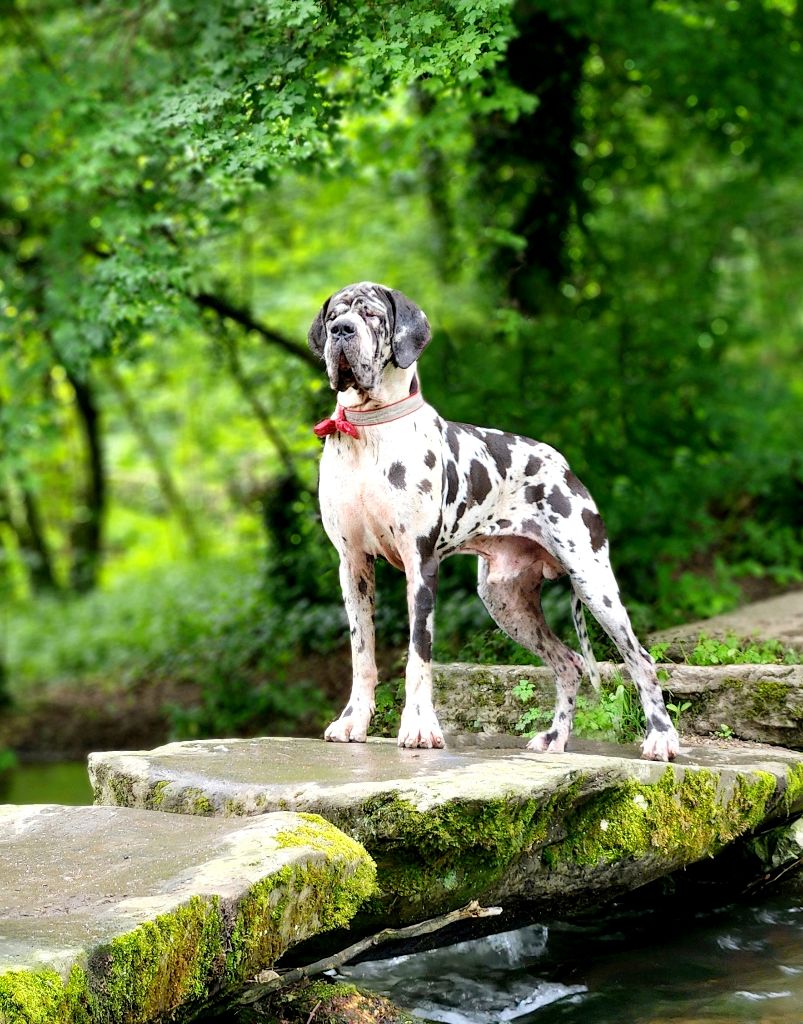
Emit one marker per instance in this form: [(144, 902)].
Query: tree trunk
[(530, 165), (86, 533)]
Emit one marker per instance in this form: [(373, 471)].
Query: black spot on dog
[(533, 465), (479, 483), (397, 474), (453, 439), (429, 459), (596, 528), (534, 493), (499, 445), (554, 519), (421, 634), (560, 503), (347, 712), (658, 724), (503, 524), (452, 482), (426, 543), (425, 486), (362, 586), (575, 486), (607, 601), (551, 735)]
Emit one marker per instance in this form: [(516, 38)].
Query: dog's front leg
[(419, 724), (357, 584)]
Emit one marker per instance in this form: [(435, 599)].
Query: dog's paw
[(351, 727), (420, 728), (551, 742), (660, 746)]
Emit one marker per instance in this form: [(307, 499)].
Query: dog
[(400, 483)]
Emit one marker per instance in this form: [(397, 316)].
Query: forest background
[(598, 204)]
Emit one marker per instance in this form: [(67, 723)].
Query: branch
[(270, 430), (226, 310), (269, 981)]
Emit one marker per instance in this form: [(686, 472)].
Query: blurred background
[(598, 204)]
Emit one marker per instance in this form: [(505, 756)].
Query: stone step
[(763, 703), (114, 914), (553, 833), (775, 618)]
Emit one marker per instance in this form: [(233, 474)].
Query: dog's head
[(362, 330)]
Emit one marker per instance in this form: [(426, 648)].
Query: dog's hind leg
[(600, 594), (514, 603)]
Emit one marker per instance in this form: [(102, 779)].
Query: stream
[(739, 963)]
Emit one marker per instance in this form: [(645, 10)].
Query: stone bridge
[(201, 863)]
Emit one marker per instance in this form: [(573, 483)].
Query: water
[(737, 964), (63, 782)]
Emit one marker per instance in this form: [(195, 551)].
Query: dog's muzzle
[(343, 348)]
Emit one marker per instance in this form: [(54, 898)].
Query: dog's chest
[(374, 490)]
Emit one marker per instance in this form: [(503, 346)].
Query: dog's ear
[(316, 338), (411, 331)]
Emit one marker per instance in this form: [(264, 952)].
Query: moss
[(768, 697), (793, 793), (234, 808), (678, 819), (156, 794), (163, 967), (113, 787), (440, 857), (301, 900), (327, 1003), (195, 801), (43, 997)]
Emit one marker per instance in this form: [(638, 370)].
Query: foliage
[(592, 202), (730, 651), (389, 701), (676, 709), (614, 715), (494, 647)]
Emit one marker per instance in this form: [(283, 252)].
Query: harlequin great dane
[(399, 482)]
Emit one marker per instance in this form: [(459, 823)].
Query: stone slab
[(554, 832), (776, 618), (763, 703), (112, 914)]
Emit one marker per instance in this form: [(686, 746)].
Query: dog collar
[(347, 420)]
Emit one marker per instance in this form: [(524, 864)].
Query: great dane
[(399, 482)]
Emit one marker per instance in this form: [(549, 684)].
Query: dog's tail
[(585, 644)]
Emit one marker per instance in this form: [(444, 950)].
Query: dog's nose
[(343, 329)]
